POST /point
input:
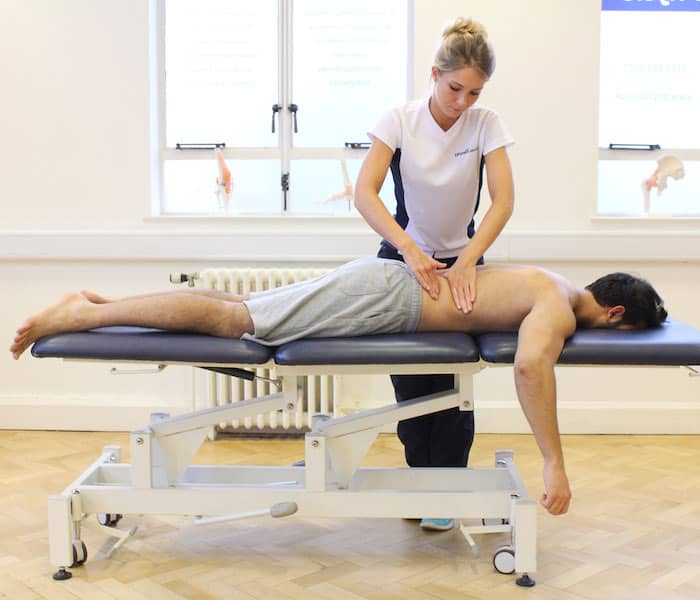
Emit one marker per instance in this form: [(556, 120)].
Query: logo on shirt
[(466, 151)]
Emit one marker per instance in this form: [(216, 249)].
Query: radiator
[(319, 393)]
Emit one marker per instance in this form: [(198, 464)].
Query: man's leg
[(177, 312), (209, 293)]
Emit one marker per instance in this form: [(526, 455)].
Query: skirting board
[(59, 415), (621, 417)]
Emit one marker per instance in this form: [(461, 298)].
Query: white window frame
[(285, 152)]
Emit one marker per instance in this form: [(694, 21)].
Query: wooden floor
[(633, 531)]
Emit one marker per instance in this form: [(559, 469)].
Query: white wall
[(75, 113), (75, 110)]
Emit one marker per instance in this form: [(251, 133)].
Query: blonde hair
[(465, 44)]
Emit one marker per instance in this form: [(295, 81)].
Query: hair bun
[(464, 26)]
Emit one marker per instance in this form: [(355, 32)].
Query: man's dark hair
[(642, 304)]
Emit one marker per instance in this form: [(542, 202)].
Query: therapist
[(437, 149)]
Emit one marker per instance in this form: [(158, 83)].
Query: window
[(649, 127), (284, 90)]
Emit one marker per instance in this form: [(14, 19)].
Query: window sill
[(646, 219), (262, 220), (332, 241), (201, 239)]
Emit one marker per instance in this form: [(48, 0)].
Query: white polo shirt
[(439, 170)]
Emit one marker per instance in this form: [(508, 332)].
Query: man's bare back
[(506, 295)]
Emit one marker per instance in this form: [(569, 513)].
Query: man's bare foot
[(94, 297), (68, 314)]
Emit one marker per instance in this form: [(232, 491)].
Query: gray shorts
[(365, 297)]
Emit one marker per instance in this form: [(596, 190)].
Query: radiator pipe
[(188, 278)]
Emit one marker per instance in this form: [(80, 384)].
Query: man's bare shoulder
[(556, 298), (550, 279), (551, 296)]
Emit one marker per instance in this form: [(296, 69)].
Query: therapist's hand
[(425, 269), (462, 280)]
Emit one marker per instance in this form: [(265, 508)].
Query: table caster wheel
[(108, 519), (79, 554), (504, 560)]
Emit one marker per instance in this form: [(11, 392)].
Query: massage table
[(330, 483)]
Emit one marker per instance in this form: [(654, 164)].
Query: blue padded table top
[(153, 345), (671, 344), (397, 349)]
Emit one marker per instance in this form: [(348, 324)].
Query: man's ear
[(615, 314)]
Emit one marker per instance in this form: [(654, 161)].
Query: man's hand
[(557, 494), (425, 269), (462, 280)]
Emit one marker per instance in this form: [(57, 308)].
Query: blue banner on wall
[(657, 5)]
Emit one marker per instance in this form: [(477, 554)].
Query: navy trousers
[(441, 439)]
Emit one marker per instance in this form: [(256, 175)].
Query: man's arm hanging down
[(540, 340)]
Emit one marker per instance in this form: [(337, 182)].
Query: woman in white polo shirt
[(437, 149)]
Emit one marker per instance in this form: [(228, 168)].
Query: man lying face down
[(377, 296)]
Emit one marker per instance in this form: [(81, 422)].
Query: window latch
[(285, 188), (293, 108), (275, 109), (634, 147), (206, 146), (357, 145)]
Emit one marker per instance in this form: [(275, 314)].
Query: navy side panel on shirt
[(401, 217)]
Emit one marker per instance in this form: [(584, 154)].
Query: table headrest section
[(414, 348), (671, 344), (153, 345)]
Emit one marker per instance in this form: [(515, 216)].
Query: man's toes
[(24, 327), (17, 350)]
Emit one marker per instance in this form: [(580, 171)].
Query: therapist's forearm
[(372, 209), (490, 228)]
